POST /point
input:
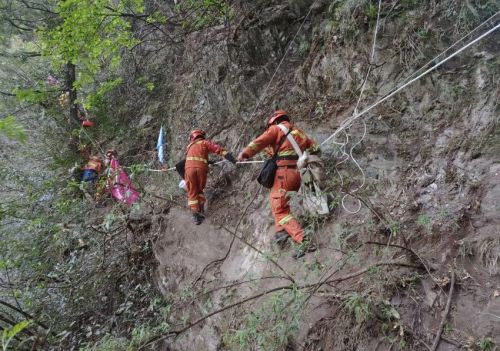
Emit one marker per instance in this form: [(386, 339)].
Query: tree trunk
[(70, 80)]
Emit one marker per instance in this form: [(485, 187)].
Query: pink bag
[(120, 184)]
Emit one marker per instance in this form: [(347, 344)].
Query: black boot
[(305, 246), (280, 238), (198, 218)]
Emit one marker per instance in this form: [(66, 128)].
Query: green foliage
[(395, 228), (91, 35), (303, 48), (371, 11), (10, 128), (318, 109), (157, 18), (30, 95), (425, 221), (423, 33), (358, 306), (96, 99), (9, 333), (139, 336), (269, 327), (342, 16), (137, 169), (486, 344)]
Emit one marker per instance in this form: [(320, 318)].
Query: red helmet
[(277, 114), (87, 123), (110, 153), (196, 134)]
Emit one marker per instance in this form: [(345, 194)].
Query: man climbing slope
[(196, 170), (287, 177)]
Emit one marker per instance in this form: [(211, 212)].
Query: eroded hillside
[(428, 224), (408, 261)]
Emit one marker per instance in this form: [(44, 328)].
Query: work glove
[(242, 156), (230, 158)]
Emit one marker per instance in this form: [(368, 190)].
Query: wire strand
[(350, 120), (452, 46)]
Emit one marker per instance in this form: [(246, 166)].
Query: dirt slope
[(430, 157)]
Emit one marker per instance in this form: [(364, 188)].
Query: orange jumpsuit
[(196, 171), (287, 175)]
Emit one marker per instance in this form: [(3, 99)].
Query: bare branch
[(25, 314), (269, 291), (446, 312)]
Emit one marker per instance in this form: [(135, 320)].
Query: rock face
[(430, 168)]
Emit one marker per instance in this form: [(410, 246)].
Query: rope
[(281, 61), (350, 120), (452, 46), (372, 56), (261, 97), (343, 146), (342, 202), (216, 163)]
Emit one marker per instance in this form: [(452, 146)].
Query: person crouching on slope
[(92, 170), (196, 170), (287, 176)]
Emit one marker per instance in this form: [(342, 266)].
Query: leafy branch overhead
[(10, 128), (89, 34)]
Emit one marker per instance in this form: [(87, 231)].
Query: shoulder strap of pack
[(191, 144), (282, 140), (291, 139)]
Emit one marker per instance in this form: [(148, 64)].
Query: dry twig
[(446, 312)]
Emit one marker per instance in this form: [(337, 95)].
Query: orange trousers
[(196, 179), (286, 179)]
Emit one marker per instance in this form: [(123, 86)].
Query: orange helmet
[(277, 114), (196, 134)]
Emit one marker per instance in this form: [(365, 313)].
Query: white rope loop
[(350, 156)]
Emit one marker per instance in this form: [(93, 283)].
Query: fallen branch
[(23, 313), (227, 287), (292, 286), (413, 252), (446, 312), (201, 319), (451, 341)]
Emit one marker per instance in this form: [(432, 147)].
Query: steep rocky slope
[(430, 217)]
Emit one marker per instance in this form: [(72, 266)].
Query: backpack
[(268, 171)]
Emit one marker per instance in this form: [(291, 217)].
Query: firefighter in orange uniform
[(92, 170), (196, 170), (90, 176), (287, 176)]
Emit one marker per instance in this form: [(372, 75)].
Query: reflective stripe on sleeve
[(253, 146), (285, 220), (287, 153)]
